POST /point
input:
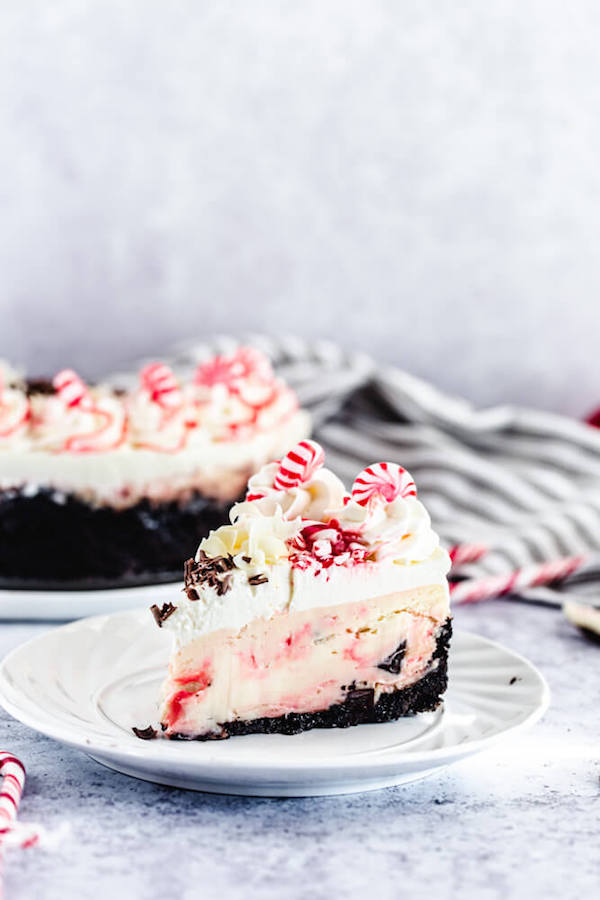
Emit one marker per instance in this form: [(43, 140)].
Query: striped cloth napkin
[(523, 483)]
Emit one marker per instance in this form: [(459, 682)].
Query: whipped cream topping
[(312, 544), (60, 428), (317, 524), (230, 398), (158, 428), (307, 500), (288, 589), (401, 529), (256, 540)]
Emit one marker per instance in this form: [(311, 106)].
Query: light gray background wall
[(418, 179)]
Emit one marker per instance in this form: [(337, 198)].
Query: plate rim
[(66, 605), (131, 749)]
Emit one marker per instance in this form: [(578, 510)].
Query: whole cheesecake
[(314, 608), (101, 485)]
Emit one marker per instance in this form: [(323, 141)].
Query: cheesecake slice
[(314, 608)]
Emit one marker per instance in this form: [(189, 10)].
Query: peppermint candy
[(299, 465), (160, 382), (72, 390), (233, 370), (247, 362), (382, 482), (214, 371), (75, 394), (322, 545)]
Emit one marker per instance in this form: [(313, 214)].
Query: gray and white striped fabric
[(527, 483)]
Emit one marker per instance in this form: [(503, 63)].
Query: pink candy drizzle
[(73, 392), (246, 374)]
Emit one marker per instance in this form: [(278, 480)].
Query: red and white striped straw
[(12, 834), (461, 554), (13, 779), (475, 589)]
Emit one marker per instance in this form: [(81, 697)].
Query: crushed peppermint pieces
[(161, 615), (213, 571), (145, 734)]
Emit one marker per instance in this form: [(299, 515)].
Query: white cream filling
[(290, 590)]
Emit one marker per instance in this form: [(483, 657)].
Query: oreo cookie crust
[(55, 539)]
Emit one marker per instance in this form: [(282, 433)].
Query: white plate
[(57, 606), (85, 684)]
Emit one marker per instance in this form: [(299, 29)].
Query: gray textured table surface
[(518, 821)]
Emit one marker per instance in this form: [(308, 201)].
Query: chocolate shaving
[(39, 386), (360, 702), (247, 559), (214, 571), (223, 585), (259, 578), (161, 615), (145, 734)]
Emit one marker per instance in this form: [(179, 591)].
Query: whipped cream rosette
[(380, 519)]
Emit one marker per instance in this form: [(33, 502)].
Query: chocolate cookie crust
[(52, 539)]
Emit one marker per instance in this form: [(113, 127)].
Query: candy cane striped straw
[(476, 589), (461, 554), (13, 779), (12, 833)]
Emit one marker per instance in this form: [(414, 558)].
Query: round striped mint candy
[(161, 384), (382, 481), (71, 389), (299, 465)]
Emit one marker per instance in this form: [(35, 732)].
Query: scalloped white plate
[(85, 684), (59, 606)]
